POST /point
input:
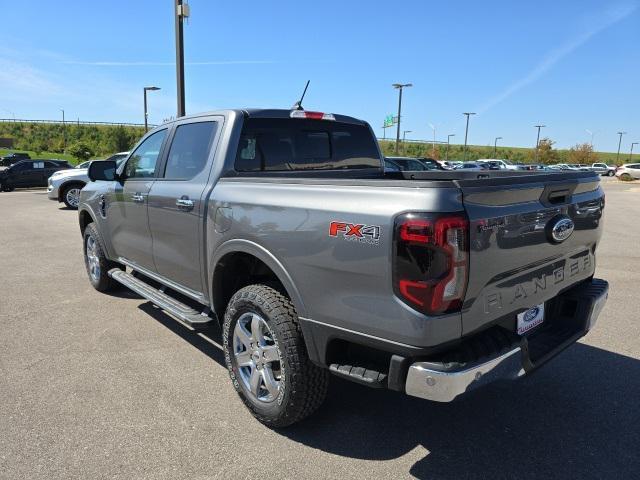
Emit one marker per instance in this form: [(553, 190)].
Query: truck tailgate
[(517, 259)]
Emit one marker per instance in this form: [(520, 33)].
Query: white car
[(604, 169), (65, 185), (629, 171), (504, 164)]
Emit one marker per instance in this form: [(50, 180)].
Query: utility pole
[(631, 153), (182, 12), (495, 147), (538, 140), (446, 155), (399, 87), (466, 133), (619, 143)]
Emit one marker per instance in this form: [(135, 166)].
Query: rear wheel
[(96, 262), (71, 195), (267, 358)]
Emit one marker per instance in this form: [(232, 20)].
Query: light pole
[(182, 12), (146, 114), (538, 140), (631, 153), (399, 87), (466, 132), (591, 134), (619, 143), (446, 155), (404, 136), (495, 146), (433, 145), (64, 132)]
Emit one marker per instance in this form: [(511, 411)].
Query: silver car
[(65, 185)]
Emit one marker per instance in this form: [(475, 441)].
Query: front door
[(176, 207), (126, 215)]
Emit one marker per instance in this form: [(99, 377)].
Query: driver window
[(142, 162)]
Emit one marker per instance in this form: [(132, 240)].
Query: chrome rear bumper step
[(182, 312)]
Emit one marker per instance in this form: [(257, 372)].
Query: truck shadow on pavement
[(578, 417)]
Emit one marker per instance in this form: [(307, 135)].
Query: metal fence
[(72, 122)]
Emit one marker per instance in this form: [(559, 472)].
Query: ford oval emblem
[(531, 314), (560, 228)]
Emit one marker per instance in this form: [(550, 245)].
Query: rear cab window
[(282, 144)]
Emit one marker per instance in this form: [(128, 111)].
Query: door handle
[(137, 197), (184, 203)]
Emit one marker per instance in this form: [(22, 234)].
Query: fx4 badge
[(369, 234)]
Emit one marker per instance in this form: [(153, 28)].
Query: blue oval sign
[(561, 229)]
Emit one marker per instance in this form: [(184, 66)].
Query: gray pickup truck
[(282, 227)]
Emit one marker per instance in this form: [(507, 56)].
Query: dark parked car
[(12, 158), (412, 164), (30, 173)]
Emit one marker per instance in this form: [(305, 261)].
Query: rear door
[(177, 202), (126, 213), (517, 261)]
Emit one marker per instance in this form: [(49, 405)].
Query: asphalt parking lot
[(108, 386)]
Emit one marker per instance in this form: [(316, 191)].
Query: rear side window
[(189, 150), (301, 144)]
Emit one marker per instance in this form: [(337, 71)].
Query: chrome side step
[(184, 313)]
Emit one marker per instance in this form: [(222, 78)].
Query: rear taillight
[(431, 261)]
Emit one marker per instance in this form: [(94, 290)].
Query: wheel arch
[(66, 185), (229, 270)]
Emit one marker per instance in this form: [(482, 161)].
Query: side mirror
[(102, 170)]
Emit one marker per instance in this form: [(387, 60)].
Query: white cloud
[(598, 24)]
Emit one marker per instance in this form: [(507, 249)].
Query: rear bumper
[(572, 315)]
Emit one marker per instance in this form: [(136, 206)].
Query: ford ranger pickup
[(283, 228)]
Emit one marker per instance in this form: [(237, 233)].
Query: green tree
[(581, 153), (546, 153), (81, 151)]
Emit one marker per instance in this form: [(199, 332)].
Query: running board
[(184, 313)]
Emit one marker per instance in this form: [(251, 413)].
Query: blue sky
[(572, 65)]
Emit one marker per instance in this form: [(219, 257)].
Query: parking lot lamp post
[(404, 136), (631, 153), (182, 11), (466, 133), (538, 140), (495, 146), (146, 113), (399, 87), (619, 143), (446, 154), (64, 132)]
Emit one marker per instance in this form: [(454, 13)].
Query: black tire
[(302, 385), (610, 173), (6, 188), (99, 277), (67, 196)]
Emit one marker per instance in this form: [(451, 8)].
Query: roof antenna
[(298, 104)]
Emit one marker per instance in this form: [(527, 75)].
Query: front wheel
[(267, 358), (96, 262), (71, 196), (4, 187), (610, 173)]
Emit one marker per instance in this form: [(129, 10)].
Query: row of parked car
[(63, 181), (627, 171)]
